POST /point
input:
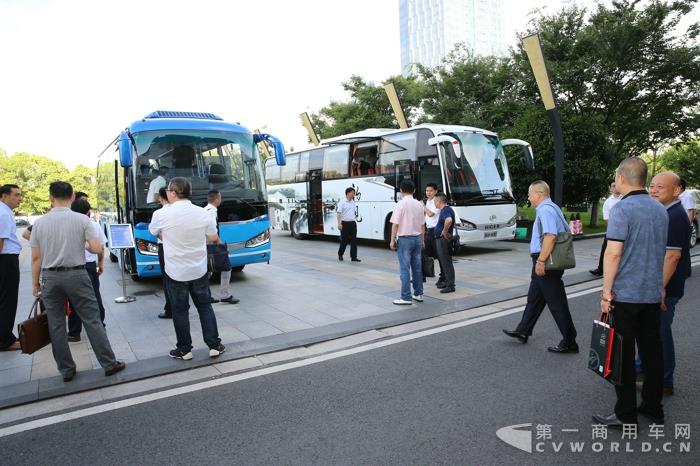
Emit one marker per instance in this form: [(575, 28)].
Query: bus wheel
[(238, 268), (293, 226), (113, 258), (693, 233)]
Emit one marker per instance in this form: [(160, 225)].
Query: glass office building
[(431, 28)]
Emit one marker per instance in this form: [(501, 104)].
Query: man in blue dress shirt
[(10, 247), (546, 286)]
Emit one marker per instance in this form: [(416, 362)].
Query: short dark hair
[(163, 193), (82, 206), (349, 190), (61, 190), (213, 194), (681, 183), (432, 185), (441, 197), (7, 189), (79, 194), (181, 187), (407, 186)]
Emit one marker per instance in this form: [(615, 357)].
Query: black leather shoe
[(596, 272), (563, 349), (448, 289), (340, 258), (654, 417), (231, 300), (68, 378), (73, 339), (118, 366), (521, 337), (610, 420), (356, 260), (214, 301), (440, 284), (165, 315)]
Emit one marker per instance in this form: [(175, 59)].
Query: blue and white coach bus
[(467, 164), (201, 147)]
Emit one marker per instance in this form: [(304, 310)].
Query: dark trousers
[(348, 235), (639, 323), (447, 269), (75, 325), (431, 250), (9, 289), (548, 290), (180, 293), (161, 261), (602, 254)]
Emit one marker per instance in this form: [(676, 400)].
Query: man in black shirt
[(665, 188)]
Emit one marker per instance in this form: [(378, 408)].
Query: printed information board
[(120, 236)]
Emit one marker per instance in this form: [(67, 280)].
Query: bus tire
[(693, 233), (113, 258), (292, 227), (387, 230)]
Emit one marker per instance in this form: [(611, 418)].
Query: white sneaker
[(402, 302), (418, 297), (214, 352)]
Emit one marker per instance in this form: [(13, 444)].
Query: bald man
[(632, 290), (665, 188)]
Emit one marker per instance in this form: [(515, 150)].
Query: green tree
[(84, 179), (684, 160), (33, 174), (368, 107)]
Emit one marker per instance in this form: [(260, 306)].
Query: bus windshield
[(476, 168), (226, 161)]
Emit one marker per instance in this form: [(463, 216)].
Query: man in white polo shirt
[(346, 224), (185, 229)]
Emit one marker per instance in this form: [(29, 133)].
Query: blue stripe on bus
[(229, 233)]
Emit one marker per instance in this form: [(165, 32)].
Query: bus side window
[(395, 149), (335, 162)]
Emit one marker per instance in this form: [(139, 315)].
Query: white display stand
[(121, 237)]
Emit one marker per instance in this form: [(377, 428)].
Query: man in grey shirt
[(58, 273), (632, 288)]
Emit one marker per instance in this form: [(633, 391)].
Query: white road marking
[(112, 406)]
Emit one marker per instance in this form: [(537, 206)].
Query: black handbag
[(428, 266), (34, 332), (605, 355), (217, 258)]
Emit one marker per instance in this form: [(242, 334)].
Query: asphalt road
[(434, 400)]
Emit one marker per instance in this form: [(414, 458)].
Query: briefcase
[(217, 258), (605, 355), (34, 332)]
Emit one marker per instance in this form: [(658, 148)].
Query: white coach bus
[(467, 164)]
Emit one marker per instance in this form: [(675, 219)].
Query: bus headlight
[(468, 226), (512, 221), (147, 247), (262, 238)]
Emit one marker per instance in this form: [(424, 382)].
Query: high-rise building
[(431, 28)]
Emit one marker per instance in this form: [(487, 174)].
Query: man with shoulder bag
[(548, 264)]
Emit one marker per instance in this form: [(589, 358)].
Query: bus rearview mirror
[(126, 157), (280, 156)]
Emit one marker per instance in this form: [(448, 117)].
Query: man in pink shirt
[(407, 230)]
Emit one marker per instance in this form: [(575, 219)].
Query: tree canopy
[(626, 80), (34, 173)]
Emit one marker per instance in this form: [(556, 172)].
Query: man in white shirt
[(225, 296), (156, 183), (687, 201), (347, 226), (432, 213), (185, 229), (94, 264), (607, 207)]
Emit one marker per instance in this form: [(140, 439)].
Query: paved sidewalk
[(304, 296)]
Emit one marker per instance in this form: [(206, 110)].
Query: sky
[(73, 73)]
